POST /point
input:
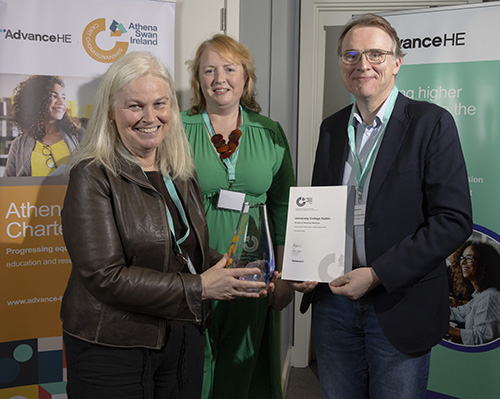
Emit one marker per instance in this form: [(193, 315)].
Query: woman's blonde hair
[(102, 143), (232, 51)]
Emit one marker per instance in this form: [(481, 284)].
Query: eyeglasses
[(467, 258), (50, 161), (373, 56)]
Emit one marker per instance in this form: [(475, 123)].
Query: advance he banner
[(453, 59), (52, 55)]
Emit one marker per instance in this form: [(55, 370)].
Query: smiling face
[(369, 82), (469, 268), (142, 114), (222, 82), (57, 102)]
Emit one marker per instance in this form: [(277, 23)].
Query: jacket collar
[(391, 144)]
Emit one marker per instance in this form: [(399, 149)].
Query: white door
[(196, 21)]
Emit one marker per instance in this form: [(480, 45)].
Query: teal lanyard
[(231, 161), (362, 173), (178, 204)]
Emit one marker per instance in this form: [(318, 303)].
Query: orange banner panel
[(35, 265)]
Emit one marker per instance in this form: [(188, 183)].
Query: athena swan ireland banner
[(453, 59), (52, 55)]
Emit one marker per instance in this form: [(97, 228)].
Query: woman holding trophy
[(240, 156)]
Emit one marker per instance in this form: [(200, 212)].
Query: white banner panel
[(69, 38), (470, 30)]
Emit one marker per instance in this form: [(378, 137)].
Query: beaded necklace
[(223, 148)]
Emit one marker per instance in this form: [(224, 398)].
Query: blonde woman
[(135, 306)]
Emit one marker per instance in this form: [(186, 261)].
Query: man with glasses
[(374, 326)]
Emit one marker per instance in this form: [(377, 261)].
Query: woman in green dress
[(239, 155)]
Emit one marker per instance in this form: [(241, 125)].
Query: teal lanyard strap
[(231, 161), (362, 173), (178, 204)]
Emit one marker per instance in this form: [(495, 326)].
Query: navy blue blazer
[(418, 212)]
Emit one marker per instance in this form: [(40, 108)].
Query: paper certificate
[(318, 245)]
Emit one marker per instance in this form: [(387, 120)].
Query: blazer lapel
[(332, 152), (391, 144), (340, 152)]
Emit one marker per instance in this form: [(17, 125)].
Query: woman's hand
[(282, 296), (219, 283), (456, 302), (271, 286), (455, 334), (283, 293)]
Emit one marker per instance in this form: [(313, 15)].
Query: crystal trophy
[(251, 245)]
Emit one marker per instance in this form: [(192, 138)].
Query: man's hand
[(356, 283), (303, 286)]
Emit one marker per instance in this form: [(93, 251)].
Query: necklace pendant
[(223, 148)]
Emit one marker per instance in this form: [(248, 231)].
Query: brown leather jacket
[(120, 292)]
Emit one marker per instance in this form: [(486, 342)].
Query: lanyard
[(231, 161), (178, 204), (362, 173)]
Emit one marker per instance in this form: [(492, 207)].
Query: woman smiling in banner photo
[(48, 133), (477, 321)]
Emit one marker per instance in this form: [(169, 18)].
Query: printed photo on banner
[(37, 137), (42, 121), (474, 283)]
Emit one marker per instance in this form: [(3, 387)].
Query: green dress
[(242, 356)]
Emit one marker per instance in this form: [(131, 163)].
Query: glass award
[(251, 245)]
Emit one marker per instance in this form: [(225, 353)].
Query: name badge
[(232, 200), (359, 215)]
